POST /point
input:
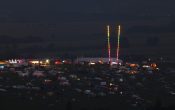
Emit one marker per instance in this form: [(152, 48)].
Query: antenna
[(118, 44), (109, 45)]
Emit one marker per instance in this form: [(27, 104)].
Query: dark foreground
[(84, 89)]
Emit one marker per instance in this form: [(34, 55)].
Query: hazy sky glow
[(85, 20)]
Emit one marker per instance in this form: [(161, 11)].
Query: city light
[(47, 60), (35, 62)]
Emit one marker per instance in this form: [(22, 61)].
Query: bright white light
[(1, 67), (13, 61), (113, 63), (47, 61), (110, 84), (145, 66), (92, 63)]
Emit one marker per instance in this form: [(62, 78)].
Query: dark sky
[(84, 20)]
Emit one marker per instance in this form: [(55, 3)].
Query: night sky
[(59, 27)]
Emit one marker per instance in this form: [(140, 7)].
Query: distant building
[(17, 62), (3, 64), (97, 60), (40, 62)]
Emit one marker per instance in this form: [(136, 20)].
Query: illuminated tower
[(109, 45), (118, 44)]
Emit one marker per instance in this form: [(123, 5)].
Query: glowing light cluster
[(34, 62), (14, 61)]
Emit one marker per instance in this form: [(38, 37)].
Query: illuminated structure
[(17, 62), (44, 62), (114, 62), (118, 45), (3, 64), (109, 45), (97, 60)]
